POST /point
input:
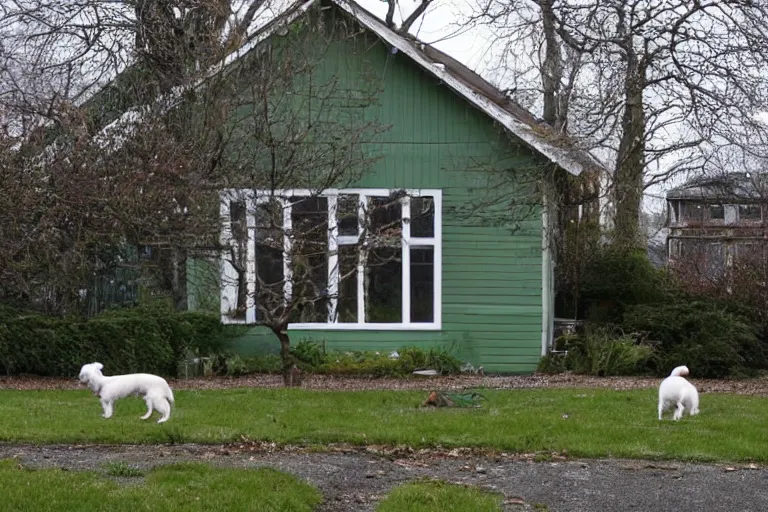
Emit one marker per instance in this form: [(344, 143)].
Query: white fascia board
[(557, 155)]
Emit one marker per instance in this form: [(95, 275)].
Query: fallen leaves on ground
[(756, 387)]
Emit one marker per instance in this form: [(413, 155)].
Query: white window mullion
[(405, 209), (250, 264), (438, 261), (361, 220), (228, 275), (333, 260), (287, 246)]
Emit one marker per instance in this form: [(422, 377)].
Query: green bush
[(311, 357), (268, 363), (604, 352), (141, 339), (309, 354), (615, 280), (712, 340), (601, 351), (376, 364)]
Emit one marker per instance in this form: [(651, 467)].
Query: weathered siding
[(492, 277)]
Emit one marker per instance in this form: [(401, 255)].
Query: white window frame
[(252, 198)]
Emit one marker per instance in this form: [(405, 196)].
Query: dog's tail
[(169, 395), (680, 371)]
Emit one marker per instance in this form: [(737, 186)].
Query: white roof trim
[(556, 154)]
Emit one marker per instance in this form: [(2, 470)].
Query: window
[(749, 212), (716, 212), (693, 211), (343, 259)]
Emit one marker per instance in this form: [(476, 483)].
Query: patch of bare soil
[(756, 387)]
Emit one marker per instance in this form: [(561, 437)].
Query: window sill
[(366, 327), (344, 327)]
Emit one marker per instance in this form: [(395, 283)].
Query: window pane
[(348, 214), (309, 259), (693, 211), (269, 259), (716, 212), (383, 286), (423, 217), (238, 255), (347, 303), (385, 220), (422, 284), (749, 212)]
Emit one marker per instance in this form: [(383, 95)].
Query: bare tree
[(654, 86), (136, 169), (407, 21)]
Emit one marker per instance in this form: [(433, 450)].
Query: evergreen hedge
[(143, 339)]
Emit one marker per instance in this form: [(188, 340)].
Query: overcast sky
[(441, 26)]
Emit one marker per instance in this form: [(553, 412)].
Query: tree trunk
[(552, 68), (292, 375), (179, 283), (630, 162)]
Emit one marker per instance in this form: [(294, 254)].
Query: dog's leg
[(107, 406), (661, 409), (148, 401), (164, 408), (679, 411)]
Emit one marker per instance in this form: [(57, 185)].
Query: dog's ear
[(98, 366)]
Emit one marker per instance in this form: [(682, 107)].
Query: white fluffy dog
[(155, 390), (676, 391)]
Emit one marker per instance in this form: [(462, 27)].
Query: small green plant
[(601, 351), (604, 352), (236, 366), (309, 353), (123, 470), (380, 364), (173, 435)]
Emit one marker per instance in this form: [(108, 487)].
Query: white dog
[(676, 391), (155, 390)]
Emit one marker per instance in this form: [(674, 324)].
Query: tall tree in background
[(655, 87)]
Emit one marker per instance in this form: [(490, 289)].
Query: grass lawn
[(182, 487), (436, 496), (585, 422)]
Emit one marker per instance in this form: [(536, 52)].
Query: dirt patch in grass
[(755, 387)]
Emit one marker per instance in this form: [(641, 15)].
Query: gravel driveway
[(354, 480)]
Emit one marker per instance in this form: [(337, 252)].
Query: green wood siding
[(492, 277)]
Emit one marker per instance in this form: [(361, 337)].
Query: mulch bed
[(755, 387)]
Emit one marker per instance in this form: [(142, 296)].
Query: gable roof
[(557, 148), (480, 93), (732, 186)]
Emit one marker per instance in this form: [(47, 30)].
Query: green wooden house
[(480, 286), (480, 283)]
